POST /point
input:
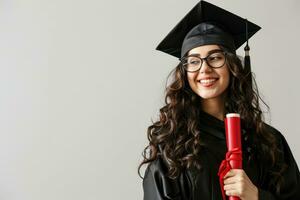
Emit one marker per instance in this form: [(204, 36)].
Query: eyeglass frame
[(204, 59)]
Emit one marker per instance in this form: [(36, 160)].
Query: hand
[(237, 183)]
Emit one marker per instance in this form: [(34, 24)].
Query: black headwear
[(208, 24)]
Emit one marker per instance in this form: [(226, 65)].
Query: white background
[(80, 82)]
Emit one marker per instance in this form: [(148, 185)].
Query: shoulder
[(275, 132), (272, 129), (287, 167), (282, 144), (157, 166), (156, 181)]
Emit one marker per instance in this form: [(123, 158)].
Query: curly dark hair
[(176, 137)]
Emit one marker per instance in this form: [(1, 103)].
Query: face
[(208, 82)]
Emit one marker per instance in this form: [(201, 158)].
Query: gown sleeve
[(291, 185), (157, 186)]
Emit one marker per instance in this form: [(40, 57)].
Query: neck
[(214, 107)]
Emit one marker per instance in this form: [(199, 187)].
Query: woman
[(187, 144)]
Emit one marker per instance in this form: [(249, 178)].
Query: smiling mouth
[(208, 82)]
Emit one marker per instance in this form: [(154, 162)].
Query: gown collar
[(211, 125)]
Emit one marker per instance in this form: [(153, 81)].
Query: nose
[(205, 68)]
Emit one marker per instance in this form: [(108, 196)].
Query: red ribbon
[(236, 155)]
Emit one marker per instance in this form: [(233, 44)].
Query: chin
[(209, 94)]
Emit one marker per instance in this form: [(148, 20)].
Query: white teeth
[(205, 81)]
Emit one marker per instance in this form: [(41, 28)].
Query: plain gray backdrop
[(80, 82)]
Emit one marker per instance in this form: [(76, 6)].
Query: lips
[(207, 82)]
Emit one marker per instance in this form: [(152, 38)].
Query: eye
[(216, 57), (193, 61)]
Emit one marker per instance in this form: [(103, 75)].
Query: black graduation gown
[(203, 184)]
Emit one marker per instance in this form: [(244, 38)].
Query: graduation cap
[(208, 24)]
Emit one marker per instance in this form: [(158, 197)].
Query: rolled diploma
[(233, 140)]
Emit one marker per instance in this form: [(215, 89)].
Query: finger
[(232, 192), (230, 187), (238, 173), (230, 180), (229, 174)]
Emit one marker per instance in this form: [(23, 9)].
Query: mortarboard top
[(207, 24)]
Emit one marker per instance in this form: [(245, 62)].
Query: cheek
[(191, 79), (226, 78)]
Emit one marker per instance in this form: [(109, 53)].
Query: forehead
[(203, 50)]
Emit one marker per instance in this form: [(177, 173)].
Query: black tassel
[(247, 62)]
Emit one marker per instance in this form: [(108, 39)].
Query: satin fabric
[(203, 184)]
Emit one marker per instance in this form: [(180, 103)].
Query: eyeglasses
[(193, 63)]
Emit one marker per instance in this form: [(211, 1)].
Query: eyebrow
[(209, 52)]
